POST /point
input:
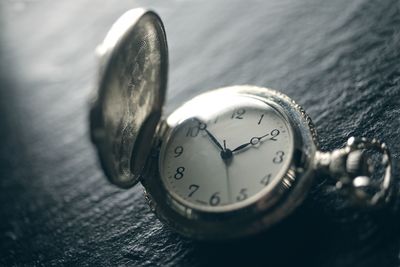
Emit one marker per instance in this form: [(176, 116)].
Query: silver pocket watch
[(228, 163)]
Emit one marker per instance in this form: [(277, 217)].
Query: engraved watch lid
[(131, 90)]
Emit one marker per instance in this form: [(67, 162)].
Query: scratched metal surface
[(339, 59)]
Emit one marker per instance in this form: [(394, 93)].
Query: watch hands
[(226, 153), (215, 141), (228, 183), (253, 141), (203, 126)]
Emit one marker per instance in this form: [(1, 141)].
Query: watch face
[(222, 155)]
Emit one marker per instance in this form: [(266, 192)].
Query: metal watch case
[(128, 129), (288, 192)]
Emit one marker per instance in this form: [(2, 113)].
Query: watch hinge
[(155, 147)]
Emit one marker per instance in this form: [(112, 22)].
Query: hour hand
[(253, 141), (242, 146)]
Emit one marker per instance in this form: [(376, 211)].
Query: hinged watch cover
[(128, 101)]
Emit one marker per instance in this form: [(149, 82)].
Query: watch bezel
[(275, 204)]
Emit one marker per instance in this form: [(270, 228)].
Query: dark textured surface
[(339, 59)]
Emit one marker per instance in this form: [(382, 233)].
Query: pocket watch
[(228, 163)]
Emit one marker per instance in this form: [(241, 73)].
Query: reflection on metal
[(353, 171), (131, 91)]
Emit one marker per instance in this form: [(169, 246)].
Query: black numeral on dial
[(261, 117), (214, 199), (195, 130), (242, 194), (193, 188), (238, 113), (265, 180), (278, 157), (274, 134), (179, 173), (178, 151)]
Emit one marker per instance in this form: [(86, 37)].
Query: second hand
[(228, 184)]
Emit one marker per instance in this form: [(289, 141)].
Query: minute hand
[(253, 141), (215, 141), (203, 126)]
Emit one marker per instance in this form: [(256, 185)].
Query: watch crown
[(353, 168)]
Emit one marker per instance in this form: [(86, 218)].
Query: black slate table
[(339, 59)]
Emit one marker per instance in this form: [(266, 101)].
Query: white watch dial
[(223, 158)]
